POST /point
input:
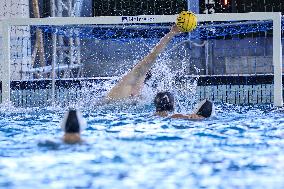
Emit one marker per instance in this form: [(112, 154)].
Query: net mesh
[(234, 48), (91, 51), (204, 30)]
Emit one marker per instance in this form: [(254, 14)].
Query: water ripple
[(241, 147)]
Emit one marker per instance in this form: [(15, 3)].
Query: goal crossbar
[(5, 25)]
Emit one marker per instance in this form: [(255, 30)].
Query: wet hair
[(164, 101), (72, 124), (204, 108)]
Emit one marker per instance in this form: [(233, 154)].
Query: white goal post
[(6, 24)]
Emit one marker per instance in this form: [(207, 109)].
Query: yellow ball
[(186, 21)]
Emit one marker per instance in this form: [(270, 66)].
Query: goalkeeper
[(131, 84)]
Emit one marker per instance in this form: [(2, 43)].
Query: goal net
[(234, 58)]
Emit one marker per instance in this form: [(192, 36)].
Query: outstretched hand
[(175, 29)]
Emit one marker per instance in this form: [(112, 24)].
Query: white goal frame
[(6, 24)]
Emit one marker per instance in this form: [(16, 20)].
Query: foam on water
[(241, 147)]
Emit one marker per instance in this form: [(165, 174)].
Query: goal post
[(275, 17), (5, 63)]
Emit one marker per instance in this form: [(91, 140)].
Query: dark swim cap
[(164, 101), (73, 122), (204, 108)]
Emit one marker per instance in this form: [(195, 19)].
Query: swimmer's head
[(164, 101), (73, 122), (204, 108)]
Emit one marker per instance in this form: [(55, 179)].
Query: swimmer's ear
[(64, 120), (82, 121), (205, 108)]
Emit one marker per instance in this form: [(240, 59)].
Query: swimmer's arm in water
[(132, 83), (187, 116)]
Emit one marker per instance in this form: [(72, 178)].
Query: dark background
[(140, 7)]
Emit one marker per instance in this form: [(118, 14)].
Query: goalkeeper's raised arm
[(131, 84)]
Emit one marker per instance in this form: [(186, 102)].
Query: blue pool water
[(241, 147)]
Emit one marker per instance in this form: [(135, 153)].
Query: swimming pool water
[(241, 147)]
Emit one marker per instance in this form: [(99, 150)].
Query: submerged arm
[(187, 116)]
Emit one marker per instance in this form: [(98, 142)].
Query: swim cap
[(73, 122), (164, 101), (204, 108)]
